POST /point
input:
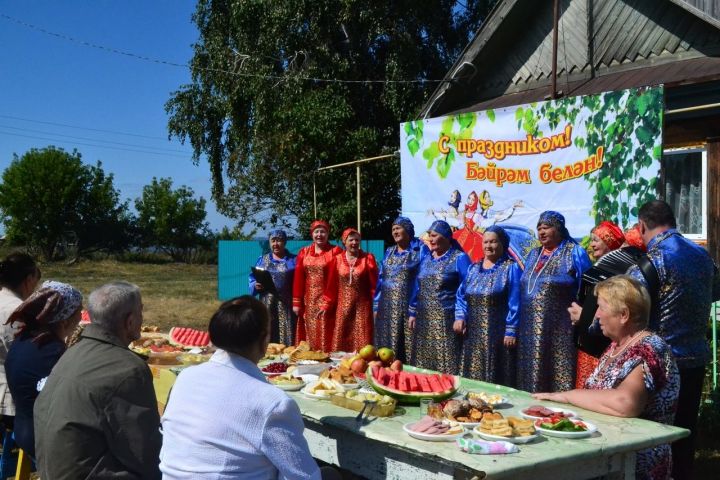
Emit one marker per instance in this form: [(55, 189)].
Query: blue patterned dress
[(435, 345), (282, 317), (392, 297), (662, 383), (489, 303), (546, 351)]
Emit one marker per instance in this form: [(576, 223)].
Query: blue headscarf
[(407, 225), (502, 236), (278, 233), (441, 227), (555, 219)]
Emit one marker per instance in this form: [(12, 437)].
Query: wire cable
[(215, 70), (62, 135), (79, 127), (34, 137)]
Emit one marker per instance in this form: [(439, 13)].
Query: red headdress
[(319, 223), (634, 238), (611, 234), (347, 232)]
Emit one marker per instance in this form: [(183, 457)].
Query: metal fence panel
[(235, 257)]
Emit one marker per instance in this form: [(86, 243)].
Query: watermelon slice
[(435, 385), (409, 386), (189, 337)]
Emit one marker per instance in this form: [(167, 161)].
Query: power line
[(166, 150), (81, 128), (91, 145), (216, 70)]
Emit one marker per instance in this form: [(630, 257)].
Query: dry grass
[(173, 294)]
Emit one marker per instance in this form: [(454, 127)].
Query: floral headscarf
[(634, 238), (610, 234), (555, 219), (279, 234)]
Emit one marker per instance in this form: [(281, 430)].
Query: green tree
[(264, 137), (172, 220), (51, 201)]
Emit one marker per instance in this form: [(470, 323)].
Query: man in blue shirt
[(680, 311)]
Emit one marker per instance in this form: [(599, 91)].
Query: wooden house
[(534, 50)]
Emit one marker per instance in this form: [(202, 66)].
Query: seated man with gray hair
[(96, 416)]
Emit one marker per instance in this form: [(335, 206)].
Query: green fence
[(235, 258)]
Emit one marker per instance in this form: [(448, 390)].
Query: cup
[(425, 404)]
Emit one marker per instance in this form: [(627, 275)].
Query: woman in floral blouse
[(637, 375)]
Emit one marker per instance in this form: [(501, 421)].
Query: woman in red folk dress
[(311, 271), (468, 237), (349, 292)]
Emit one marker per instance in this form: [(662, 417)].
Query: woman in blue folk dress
[(549, 285), (437, 337), (394, 287), (281, 265), (488, 304)]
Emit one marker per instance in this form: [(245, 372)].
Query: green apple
[(367, 352), (386, 355)]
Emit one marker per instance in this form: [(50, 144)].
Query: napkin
[(482, 447)]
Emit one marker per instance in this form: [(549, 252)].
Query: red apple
[(396, 366), (358, 365)]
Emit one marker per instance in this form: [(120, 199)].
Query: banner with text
[(591, 158)]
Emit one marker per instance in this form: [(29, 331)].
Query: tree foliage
[(172, 220), (264, 137), (51, 201)]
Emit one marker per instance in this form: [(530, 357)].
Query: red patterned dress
[(662, 382), (311, 272), (349, 292)]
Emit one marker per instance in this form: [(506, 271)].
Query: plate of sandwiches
[(512, 429)]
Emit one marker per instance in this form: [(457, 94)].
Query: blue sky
[(47, 81)]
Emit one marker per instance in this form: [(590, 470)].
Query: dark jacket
[(97, 416), (27, 364)]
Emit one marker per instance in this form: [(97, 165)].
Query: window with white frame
[(684, 187)]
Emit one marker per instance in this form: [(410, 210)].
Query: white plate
[(430, 437), (350, 386), (591, 428), (469, 425), (289, 387), (503, 400), (495, 438), (337, 356), (316, 396), (273, 374), (556, 410)]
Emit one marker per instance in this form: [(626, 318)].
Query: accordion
[(612, 263)]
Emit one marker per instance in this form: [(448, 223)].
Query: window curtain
[(683, 189)]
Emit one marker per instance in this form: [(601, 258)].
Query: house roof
[(602, 45)]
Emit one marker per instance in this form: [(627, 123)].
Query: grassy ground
[(186, 295), (173, 294)]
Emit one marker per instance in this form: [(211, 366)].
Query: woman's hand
[(575, 311), (296, 311), (411, 323), (509, 342), (560, 397), (459, 327)]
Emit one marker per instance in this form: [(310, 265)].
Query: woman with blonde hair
[(637, 375)]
